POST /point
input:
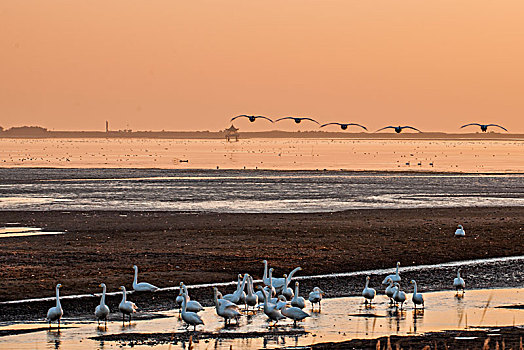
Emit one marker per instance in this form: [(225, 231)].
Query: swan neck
[(103, 300), (265, 271), (288, 279), (57, 297), (367, 283), (124, 298), (136, 276), (415, 288), (184, 304), (243, 282), (296, 290), (249, 286)]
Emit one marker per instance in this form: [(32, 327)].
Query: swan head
[(412, 282), (296, 284), (460, 226), (58, 285), (122, 288), (285, 275), (102, 285), (282, 298), (398, 263), (135, 267), (264, 262), (368, 278)]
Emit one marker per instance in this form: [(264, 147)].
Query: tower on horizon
[(107, 126)]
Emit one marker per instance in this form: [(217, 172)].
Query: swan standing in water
[(278, 283), (390, 290), (142, 286), (126, 307), (190, 318), (102, 310), (294, 313), (251, 297), (297, 300), (460, 231), (399, 296), (271, 309), (417, 298), (315, 297), (236, 297), (458, 283), (394, 277), (287, 291), (368, 293), (191, 305), (55, 313), (281, 302), (268, 288), (224, 308), (180, 298)]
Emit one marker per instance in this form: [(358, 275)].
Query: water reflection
[(53, 339)]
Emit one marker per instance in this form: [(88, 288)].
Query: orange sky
[(192, 65)]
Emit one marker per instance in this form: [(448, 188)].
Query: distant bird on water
[(251, 118), (297, 119), (344, 126), (484, 127), (142, 286), (460, 231), (398, 129)]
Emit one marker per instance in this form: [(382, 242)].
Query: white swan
[(281, 302), (269, 289), (142, 286), (278, 283), (287, 291), (180, 297), (191, 305), (368, 293), (102, 310), (224, 308), (126, 307), (271, 309), (251, 297), (417, 298), (390, 290), (55, 313), (294, 313), (190, 318), (394, 277), (297, 300), (237, 295), (458, 283), (399, 296), (315, 297), (460, 231)]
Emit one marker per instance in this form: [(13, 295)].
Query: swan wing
[(386, 127), (410, 127), (262, 117), (329, 124), (313, 120), (498, 126), (355, 124), (284, 119), (463, 126), (240, 116)]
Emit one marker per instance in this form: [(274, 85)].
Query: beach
[(198, 248)]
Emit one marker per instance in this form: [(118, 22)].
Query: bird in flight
[(344, 126), (398, 129), (297, 120), (251, 118), (484, 127)]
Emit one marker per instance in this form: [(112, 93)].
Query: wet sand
[(207, 248)]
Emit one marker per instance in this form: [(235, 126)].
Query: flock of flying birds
[(344, 126), (277, 300)]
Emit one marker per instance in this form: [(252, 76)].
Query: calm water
[(248, 190), (341, 319)]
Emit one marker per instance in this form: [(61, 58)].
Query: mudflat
[(170, 247)]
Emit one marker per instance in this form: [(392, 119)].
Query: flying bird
[(398, 129), (344, 126), (251, 118), (297, 119), (484, 127)]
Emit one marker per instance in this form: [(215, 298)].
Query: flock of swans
[(277, 300), (344, 126)]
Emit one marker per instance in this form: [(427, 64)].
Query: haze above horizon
[(193, 65)]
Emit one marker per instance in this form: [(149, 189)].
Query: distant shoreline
[(187, 135)]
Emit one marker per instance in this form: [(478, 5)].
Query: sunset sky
[(192, 65)]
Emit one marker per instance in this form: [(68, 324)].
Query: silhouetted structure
[(232, 132), (107, 126)]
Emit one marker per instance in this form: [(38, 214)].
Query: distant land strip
[(42, 133)]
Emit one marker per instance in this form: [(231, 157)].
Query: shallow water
[(253, 191), (20, 231), (290, 154), (340, 319)]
